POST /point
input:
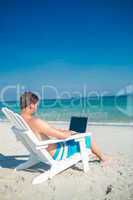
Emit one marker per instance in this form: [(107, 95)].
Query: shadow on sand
[(11, 162)]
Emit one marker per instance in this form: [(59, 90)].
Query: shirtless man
[(28, 105)]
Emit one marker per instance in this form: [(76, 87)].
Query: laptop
[(78, 124)]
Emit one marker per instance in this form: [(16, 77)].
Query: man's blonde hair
[(28, 98)]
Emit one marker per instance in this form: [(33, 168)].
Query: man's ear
[(31, 106)]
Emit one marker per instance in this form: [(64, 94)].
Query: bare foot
[(105, 159), (94, 156)]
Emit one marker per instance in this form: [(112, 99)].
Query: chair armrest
[(72, 137)]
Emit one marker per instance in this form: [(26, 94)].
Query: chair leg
[(29, 163), (55, 169), (84, 155), (48, 174), (41, 178)]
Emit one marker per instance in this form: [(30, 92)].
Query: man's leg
[(96, 150)]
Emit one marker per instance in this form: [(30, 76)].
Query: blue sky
[(66, 44)]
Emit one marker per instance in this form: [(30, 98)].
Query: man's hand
[(60, 129), (68, 133)]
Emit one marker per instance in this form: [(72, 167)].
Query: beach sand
[(113, 181)]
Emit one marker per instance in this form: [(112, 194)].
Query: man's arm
[(59, 129), (45, 129)]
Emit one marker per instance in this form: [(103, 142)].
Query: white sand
[(113, 181)]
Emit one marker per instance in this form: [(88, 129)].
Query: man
[(28, 106)]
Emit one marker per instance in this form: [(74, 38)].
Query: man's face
[(33, 107)]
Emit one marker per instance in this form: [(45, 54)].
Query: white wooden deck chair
[(38, 151)]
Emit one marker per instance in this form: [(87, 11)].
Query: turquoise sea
[(106, 109)]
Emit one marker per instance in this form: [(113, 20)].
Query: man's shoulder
[(38, 121)]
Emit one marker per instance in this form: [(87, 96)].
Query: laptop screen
[(78, 124)]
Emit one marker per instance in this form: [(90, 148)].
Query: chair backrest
[(20, 127), (24, 133), (16, 119)]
